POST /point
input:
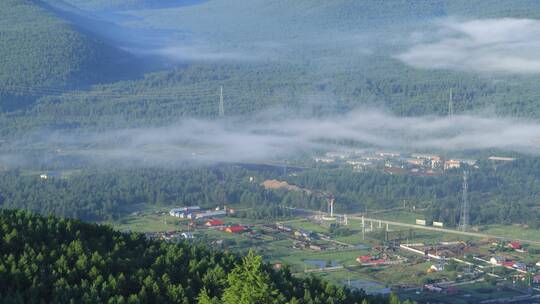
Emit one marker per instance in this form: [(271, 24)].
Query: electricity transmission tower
[(221, 105), (464, 218), (451, 105)]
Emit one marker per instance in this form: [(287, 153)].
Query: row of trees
[(52, 260)]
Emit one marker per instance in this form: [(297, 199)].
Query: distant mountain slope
[(38, 49), (100, 5), (296, 54)]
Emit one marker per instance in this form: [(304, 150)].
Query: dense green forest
[(498, 193), (97, 195), (166, 97), (52, 260)]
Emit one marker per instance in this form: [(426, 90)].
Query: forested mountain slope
[(51, 260), (39, 50), (102, 5), (317, 55)]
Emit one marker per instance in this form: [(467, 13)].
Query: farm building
[(214, 223), (308, 235), (363, 259), (509, 264), (498, 158), (183, 211), (514, 245), (496, 260), (235, 229), (316, 247), (520, 266), (210, 214), (452, 164), (49, 174), (436, 268), (284, 228), (415, 161)]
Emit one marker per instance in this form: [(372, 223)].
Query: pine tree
[(204, 298), (248, 283)]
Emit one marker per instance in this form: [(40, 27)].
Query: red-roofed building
[(508, 264), (515, 245), (363, 259), (214, 222), (235, 229)]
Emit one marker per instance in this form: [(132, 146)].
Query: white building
[(210, 214), (187, 235), (324, 160), (499, 158), (182, 212), (496, 260), (436, 267)]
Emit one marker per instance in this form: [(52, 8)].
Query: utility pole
[(332, 207), (363, 229), (221, 104)]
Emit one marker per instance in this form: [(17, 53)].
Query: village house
[(496, 260), (210, 214), (415, 161), (214, 223), (520, 266), (452, 164), (436, 268), (514, 245), (235, 229)]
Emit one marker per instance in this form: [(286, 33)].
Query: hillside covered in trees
[(39, 50), (52, 260), (45, 55)]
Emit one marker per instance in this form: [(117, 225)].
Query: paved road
[(443, 230), (430, 228)]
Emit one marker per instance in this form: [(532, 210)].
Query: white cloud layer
[(503, 45), (205, 141)]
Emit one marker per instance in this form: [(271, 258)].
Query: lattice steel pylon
[(451, 105), (221, 103), (464, 217)]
